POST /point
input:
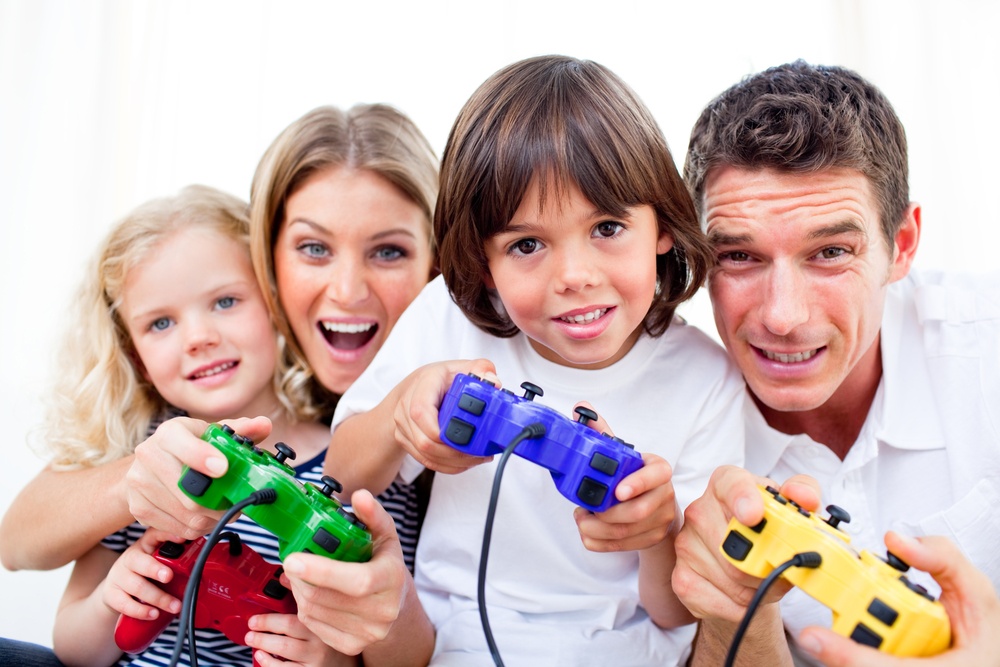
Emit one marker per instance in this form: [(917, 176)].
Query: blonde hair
[(373, 137), (101, 406)]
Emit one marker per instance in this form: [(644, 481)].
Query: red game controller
[(237, 583)]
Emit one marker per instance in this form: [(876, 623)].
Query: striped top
[(399, 500)]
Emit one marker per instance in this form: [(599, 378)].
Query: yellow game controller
[(872, 600)]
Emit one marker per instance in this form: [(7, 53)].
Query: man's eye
[(832, 253), (734, 256)]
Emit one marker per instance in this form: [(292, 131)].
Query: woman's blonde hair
[(373, 137), (101, 406)]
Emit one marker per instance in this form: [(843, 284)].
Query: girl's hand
[(416, 414), (128, 589), (282, 639), (646, 513), (153, 496)]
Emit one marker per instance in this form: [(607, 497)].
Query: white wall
[(106, 104)]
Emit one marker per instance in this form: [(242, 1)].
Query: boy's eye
[(608, 229), (226, 302), (524, 247), (161, 324)]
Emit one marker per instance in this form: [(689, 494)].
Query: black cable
[(261, 497), (809, 559), (530, 431)]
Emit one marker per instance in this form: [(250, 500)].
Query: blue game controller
[(479, 419)]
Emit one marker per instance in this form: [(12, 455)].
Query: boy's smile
[(576, 281)]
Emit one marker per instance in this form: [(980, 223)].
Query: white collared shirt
[(927, 460)]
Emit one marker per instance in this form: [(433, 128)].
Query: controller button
[(917, 588), (531, 390), (591, 492), (284, 452), (195, 483), (865, 635), (274, 589), (508, 391), (604, 464), (326, 539), (837, 515), (585, 415), (459, 432), (228, 430), (471, 404), (759, 527), (171, 550), (896, 562), (736, 546), (803, 512), (883, 612), (773, 491), (330, 486), (781, 500)]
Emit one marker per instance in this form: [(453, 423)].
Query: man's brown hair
[(805, 118)]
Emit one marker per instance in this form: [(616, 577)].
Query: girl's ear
[(664, 243), (488, 280)]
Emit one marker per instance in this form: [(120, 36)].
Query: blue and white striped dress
[(214, 649)]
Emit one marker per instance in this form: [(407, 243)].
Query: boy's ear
[(664, 243), (905, 243)]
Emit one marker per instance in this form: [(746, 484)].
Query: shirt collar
[(909, 418)]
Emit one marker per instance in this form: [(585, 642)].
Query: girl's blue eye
[(389, 253), (226, 302), (161, 324)]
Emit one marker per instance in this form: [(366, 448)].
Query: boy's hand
[(646, 513), (416, 414), (128, 588)]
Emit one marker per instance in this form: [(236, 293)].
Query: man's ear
[(905, 243)]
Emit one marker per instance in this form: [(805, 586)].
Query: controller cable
[(809, 559), (535, 430), (261, 497)]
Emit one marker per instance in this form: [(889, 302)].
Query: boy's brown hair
[(578, 123)]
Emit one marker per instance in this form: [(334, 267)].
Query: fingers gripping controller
[(479, 419), (237, 583), (871, 600), (304, 517)]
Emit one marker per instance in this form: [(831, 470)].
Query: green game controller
[(304, 517)]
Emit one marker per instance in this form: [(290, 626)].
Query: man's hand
[(966, 593)]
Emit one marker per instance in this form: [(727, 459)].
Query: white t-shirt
[(927, 460), (551, 602)]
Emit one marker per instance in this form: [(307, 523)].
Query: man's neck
[(838, 422)]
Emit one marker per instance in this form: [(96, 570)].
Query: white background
[(106, 104)]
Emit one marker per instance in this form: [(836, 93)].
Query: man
[(880, 383)]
